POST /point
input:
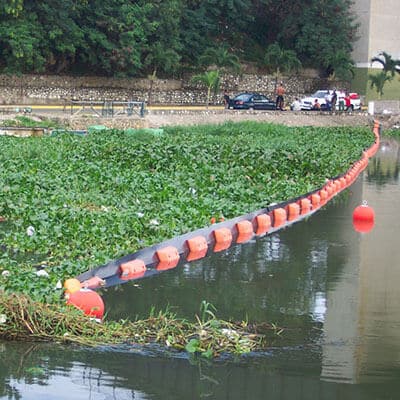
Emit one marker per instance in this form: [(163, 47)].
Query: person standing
[(280, 92), (333, 100), (347, 102), (226, 99)]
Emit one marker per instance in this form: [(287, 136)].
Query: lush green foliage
[(74, 202), (281, 60), (138, 38), (24, 121), (378, 80)]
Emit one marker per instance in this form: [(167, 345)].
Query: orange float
[(293, 211), (324, 194), (280, 217), (305, 206), (87, 301), (330, 190), (315, 200), (168, 257), (197, 248), (263, 222), (245, 231), (132, 269), (223, 239), (93, 282)]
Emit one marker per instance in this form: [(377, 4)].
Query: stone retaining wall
[(387, 106), (48, 89)]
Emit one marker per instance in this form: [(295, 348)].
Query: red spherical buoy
[(89, 301), (363, 218)]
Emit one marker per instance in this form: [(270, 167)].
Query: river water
[(334, 291)]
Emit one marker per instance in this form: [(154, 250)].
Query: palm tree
[(390, 66), (280, 59), (341, 65), (160, 58), (221, 58), (210, 79), (378, 81)]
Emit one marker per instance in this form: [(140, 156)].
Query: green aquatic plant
[(24, 121), (75, 202), (392, 132), (71, 203)]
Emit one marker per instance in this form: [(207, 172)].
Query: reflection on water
[(334, 290)]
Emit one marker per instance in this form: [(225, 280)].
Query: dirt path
[(159, 118), (290, 118)]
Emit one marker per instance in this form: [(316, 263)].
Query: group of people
[(330, 101)]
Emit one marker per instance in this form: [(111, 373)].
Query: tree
[(61, 34), (143, 37), (21, 45), (210, 79), (160, 58), (162, 53), (210, 21), (11, 7), (326, 28), (281, 60), (116, 37), (378, 81), (390, 66), (222, 58), (340, 66)]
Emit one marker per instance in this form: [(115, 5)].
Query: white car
[(324, 95)]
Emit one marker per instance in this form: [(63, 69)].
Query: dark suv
[(252, 101)]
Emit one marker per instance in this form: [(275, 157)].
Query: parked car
[(323, 95), (252, 101)]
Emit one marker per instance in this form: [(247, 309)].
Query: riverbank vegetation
[(170, 37), (21, 318), (70, 203), (29, 122)]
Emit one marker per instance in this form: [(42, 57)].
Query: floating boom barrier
[(222, 235)]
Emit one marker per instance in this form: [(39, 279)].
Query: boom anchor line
[(220, 236)]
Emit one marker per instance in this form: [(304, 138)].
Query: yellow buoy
[(72, 285)]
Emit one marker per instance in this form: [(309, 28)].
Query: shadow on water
[(334, 290)]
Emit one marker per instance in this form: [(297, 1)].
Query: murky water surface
[(335, 291)]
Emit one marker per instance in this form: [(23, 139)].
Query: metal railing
[(106, 108)]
